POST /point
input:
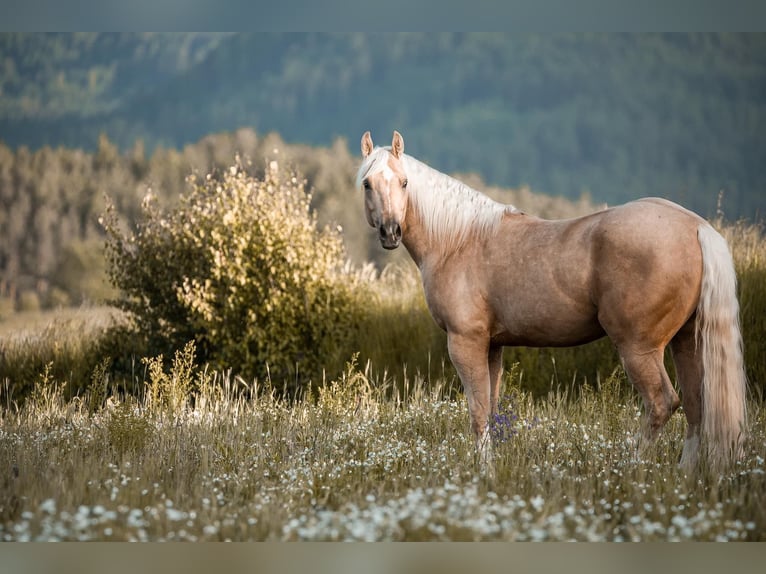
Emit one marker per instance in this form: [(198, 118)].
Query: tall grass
[(395, 333), (749, 250), (68, 344), (203, 456)]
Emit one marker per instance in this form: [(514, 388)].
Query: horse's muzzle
[(390, 235)]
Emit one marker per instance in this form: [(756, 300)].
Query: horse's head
[(385, 189)]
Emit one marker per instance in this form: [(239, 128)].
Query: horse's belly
[(561, 331)]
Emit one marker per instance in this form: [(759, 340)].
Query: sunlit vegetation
[(201, 455)]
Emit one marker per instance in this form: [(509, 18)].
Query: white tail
[(724, 384)]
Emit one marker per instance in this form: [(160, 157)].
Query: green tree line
[(618, 115), (51, 242)]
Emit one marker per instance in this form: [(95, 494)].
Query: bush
[(240, 267)]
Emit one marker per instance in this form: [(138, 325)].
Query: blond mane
[(450, 211)]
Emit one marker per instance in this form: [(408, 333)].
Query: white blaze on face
[(388, 175)]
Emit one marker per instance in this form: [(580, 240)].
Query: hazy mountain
[(619, 116)]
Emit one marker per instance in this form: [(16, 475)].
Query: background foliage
[(618, 115), (241, 267)]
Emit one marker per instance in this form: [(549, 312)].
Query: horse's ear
[(366, 144), (397, 145)]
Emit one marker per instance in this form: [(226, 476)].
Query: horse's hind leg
[(687, 357), (647, 373)]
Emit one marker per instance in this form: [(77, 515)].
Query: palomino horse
[(646, 274)]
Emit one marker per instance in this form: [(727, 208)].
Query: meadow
[(199, 455), (104, 438), (204, 456)]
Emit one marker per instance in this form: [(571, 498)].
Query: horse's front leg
[(469, 355)]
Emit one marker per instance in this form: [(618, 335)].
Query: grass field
[(202, 456), (98, 443)]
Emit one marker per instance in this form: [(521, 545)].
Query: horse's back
[(648, 235)]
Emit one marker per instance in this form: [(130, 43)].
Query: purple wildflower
[(506, 423)]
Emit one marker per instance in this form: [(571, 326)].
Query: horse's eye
[(404, 184), (366, 184)]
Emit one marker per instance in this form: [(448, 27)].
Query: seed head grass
[(356, 460)]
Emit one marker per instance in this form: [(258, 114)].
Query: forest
[(616, 115)]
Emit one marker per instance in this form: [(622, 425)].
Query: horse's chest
[(455, 299), (436, 304)]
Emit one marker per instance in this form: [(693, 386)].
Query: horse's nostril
[(390, 232)]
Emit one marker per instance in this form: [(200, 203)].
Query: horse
[(646, 274)]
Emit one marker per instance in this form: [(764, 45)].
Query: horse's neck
[(416, 239), (419, 239), (444, 214)]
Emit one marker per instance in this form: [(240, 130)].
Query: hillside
[(619, 116)]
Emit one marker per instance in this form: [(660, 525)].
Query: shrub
[(241, 267)]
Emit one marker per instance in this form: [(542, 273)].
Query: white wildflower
[(48, 506)]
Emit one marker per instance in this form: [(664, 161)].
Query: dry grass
[(66, 343), (204, 457), (27, 326)]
